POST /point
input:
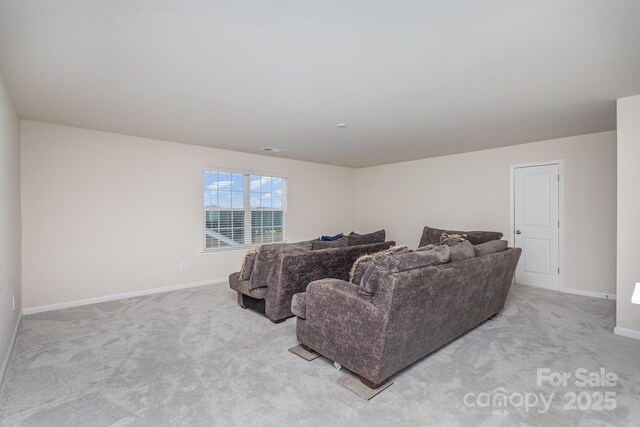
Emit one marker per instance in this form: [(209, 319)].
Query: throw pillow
[(426, 248), (361, 264), (385, 265), (430, 236), (451, 239), (491, 247), (247, 264), (321, 244), (331, 238), (366, 239), (462, 251), (359, 269)]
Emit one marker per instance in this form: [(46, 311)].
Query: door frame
[(512, 233)]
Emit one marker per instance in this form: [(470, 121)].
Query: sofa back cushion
[(329, 244), (330, 238), (462, 251), (385, 265), (491, 247), (355, 239), (431, 236)]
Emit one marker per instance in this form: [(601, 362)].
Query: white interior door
[(537, 225)]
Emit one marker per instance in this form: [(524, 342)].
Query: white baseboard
[(10, 349), (113, 297), (589, 293), (624, 332)]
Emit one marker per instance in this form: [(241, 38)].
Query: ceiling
[(412, 79)]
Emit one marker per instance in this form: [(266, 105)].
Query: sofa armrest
[(345, 326), (329, 294)]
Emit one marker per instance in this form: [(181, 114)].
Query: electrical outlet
[(183, 265)]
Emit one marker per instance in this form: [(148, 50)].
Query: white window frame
[(246, 208)]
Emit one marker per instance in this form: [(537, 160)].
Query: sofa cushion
[(299, 305), (247, 264), (366, 239), (361, 264), (385, 265), (328, 244), (243, 287), (491, 247), (233, 280), (451, 239), (431, 236), (331, 238), (462, 251)]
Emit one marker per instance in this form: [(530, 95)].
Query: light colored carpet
[(193, 357)]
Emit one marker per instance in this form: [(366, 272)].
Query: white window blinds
[(243, 209)]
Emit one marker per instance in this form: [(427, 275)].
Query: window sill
[(229, 249)]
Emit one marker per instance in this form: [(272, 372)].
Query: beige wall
[(106, 213), (628, 314), (472, 191), (10, 241)]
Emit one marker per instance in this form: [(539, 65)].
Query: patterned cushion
[(385, 265), (430, 236), (451, 239), (359, 268), (247, 264), (361, 264)]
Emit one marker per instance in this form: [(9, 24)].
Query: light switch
[(636, 294)]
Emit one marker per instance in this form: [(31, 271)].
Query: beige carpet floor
[(193, 357)]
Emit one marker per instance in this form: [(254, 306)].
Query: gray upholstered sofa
[(278, 271), (411, 313)]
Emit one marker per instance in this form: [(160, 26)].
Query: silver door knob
[(518, 232)]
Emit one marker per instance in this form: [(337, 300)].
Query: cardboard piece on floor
[(354, 384), (306, 355)]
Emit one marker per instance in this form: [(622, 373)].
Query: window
[(242, 209)]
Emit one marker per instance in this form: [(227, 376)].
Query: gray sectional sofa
[(406, 305), (276, 272)]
